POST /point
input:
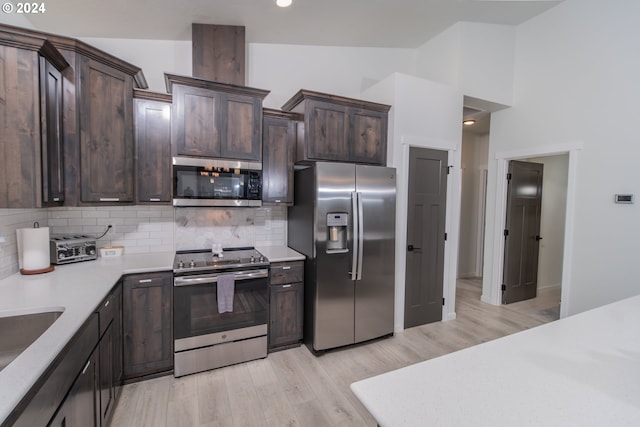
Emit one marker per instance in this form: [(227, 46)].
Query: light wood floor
[(295, 388)]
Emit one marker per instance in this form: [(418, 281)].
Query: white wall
[(576, 79), (425, 114), (552, 226), (282, 69), (475, 154), (475, 58)]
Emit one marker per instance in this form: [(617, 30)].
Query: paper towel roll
[(33, 248)]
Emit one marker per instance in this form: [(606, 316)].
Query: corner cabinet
[(212, 119), (31, 167), (152, 123), (279, 131), (340, 129), (286, 300), (147, 324)]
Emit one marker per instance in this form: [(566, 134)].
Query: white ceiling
[(371, 23)]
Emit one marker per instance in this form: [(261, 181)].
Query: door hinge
[(445, 236), (506, 233), (443, 301), (449, 169), (509, 177)]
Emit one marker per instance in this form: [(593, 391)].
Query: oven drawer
[(219, 337), (286, 272), (203, 359)]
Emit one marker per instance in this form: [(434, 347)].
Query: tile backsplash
[(148, 229)]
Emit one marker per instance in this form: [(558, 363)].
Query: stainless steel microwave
[(213, 182)]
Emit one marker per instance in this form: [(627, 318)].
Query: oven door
[(196, 305)]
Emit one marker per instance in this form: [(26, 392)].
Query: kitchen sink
[(19, 330)]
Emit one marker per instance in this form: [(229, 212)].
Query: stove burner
[(202, 260)]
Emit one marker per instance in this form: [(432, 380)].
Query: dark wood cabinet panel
[(218, 52), (30, 109), (278, 157), (243, 130), (326, 131), (286, 300), (81, 406), (106, 133), (285, 314), (51, 128), (110, 353), (195, 121), (286, 272), (340, 129), (212, 119), (153, 149), (368, 130), (147, 327)]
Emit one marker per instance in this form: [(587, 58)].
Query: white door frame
[(502, 165)]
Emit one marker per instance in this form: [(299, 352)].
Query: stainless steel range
[(220, 308)]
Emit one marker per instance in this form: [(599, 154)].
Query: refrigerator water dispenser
[(337, 233)]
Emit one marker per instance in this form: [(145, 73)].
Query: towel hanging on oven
[(226, 289)]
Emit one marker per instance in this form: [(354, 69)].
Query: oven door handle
[(213, 278)]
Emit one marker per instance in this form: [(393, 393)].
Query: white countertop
[(78, 289), (583, 370), (280, 253)]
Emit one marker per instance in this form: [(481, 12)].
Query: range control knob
[(261, 258), (253, 259), (192, 264), (180, 264)]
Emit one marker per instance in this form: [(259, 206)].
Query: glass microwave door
[(200, 183)]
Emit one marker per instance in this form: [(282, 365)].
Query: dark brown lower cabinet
[(286, 299), (81, 407), (147, 327)]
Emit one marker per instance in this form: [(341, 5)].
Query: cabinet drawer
[(106, 312), (286, 272)]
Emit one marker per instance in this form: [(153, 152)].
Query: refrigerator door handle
[(360, 237), (354, 260)]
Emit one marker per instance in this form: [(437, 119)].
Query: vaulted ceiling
[(367, 23)]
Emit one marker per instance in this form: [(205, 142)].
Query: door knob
[(538, 238), (410, 248)]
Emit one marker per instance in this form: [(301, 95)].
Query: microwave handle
[(213, 278)]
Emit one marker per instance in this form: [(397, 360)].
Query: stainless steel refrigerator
[(343, 220)]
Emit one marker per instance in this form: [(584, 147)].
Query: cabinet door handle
[(286, 267), (107, 303), (145, 281), (286, 286), (86, 367), (109, 199), (154, 199)]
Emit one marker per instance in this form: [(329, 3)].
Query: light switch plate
[(624, 198)]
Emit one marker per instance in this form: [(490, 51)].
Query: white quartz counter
[(76, 288), (280, 253), (583, 370)]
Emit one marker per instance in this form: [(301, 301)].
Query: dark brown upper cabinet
[(278, 155), (211, 119), (218, 53), (106, 133), (97, 123), (30, 120), (340, 129), (152, 123)]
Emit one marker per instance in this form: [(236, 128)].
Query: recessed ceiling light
[(469, 122), (284, 3)]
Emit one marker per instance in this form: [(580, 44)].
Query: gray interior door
[(425, 236), (522, 233)]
